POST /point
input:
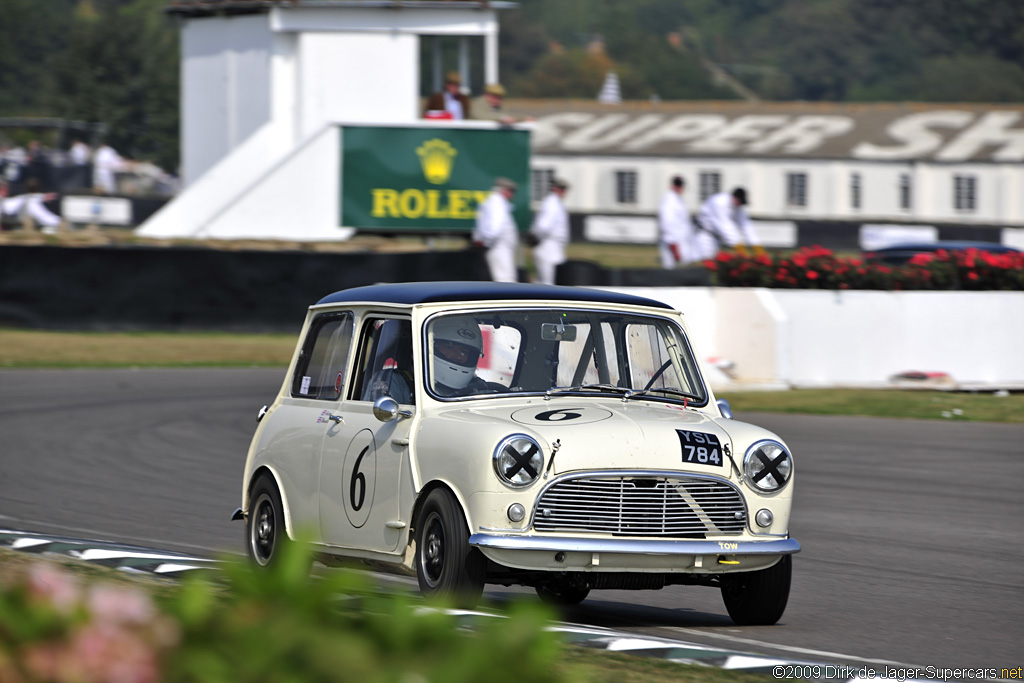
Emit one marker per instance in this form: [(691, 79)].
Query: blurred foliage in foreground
[(255, 626)]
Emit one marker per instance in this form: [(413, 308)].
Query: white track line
[(790, 648)]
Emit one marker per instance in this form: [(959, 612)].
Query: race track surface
[(911, 530)]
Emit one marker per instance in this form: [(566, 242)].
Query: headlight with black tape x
[(767, 466), (518, 460)]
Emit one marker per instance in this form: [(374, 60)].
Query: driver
[(456, 349)]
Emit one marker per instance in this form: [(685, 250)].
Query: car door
[(292, 435), (362, 457)]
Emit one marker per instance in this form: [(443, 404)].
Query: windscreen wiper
[(633, 393), (604, 386)]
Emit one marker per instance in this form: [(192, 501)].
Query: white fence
[(776, 338)]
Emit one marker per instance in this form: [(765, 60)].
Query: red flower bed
[(818, 268)]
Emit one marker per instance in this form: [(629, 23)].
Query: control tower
[(266, 85)]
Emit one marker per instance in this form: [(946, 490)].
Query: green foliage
[(280, 625), (114, 62), (919, 50), (251, 625)]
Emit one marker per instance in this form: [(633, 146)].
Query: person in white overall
[(722, 219), (496, 231), (551, 232), (675, 243)]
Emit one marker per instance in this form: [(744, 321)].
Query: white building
[(909, 164)]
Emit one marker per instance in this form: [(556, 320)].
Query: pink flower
[(50, 583), (812, 275)]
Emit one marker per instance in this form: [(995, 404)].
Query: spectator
[(723, 220), (551, 233), (10, 167), (675, 244), (37, 168), (451, 99), (78, 157), (79, 153), (496, 231), (489, 107), (29, 207), (106, 162)]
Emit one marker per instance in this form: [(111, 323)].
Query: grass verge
[(921, 404), (35, 349)]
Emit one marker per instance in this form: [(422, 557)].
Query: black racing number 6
[(358, 478), (550, 416)]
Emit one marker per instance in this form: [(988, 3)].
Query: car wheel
[(758, 598), (563, 593), (447, 568), (265, 525)]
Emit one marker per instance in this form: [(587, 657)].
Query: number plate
[(700, 448)]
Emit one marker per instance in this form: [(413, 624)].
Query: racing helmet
[(456, 347)]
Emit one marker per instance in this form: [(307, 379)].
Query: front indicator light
[(516, 512), (764, 518)]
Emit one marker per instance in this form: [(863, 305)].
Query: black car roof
[(439, 292)]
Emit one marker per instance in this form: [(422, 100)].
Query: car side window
[(320, 372), (385, 361)]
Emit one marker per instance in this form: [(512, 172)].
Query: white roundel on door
[(359, 478)]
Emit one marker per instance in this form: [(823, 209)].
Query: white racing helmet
[(461, 346)]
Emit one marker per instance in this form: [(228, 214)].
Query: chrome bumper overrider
[(780, 546)]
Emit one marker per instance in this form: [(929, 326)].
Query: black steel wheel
[(447, 568), (758, 598), (265, 525)]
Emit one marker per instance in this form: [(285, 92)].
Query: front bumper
[(561, 553)]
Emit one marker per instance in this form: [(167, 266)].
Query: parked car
[(898, 254), (554, 437)]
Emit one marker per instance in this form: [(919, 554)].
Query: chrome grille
[(675, 507)]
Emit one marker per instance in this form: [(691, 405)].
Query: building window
[(540, 182), (905, 190), (855, 190), (965, 188), (710, 184), (796, 189), (625, 187)]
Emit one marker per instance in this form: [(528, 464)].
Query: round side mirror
[(385, 409), (723, 407)]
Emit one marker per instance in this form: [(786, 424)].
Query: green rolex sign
[(408, 179)]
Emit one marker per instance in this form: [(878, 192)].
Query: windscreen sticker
[(304, 389)]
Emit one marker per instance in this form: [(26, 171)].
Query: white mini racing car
[(554, 437)]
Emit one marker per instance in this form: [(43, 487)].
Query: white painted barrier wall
[(810, 338)]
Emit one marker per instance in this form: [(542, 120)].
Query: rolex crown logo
[(436, 157)]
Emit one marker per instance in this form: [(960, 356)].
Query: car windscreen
[(551, 350)]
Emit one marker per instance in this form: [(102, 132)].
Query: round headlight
[(767, 466), (518, 460)]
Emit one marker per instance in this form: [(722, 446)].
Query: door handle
[(337, 419)]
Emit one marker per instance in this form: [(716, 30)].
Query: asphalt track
[(913, 550)]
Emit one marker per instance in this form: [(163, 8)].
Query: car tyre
[(758, 598), (448, 570), (563, 593), (265, 532)]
